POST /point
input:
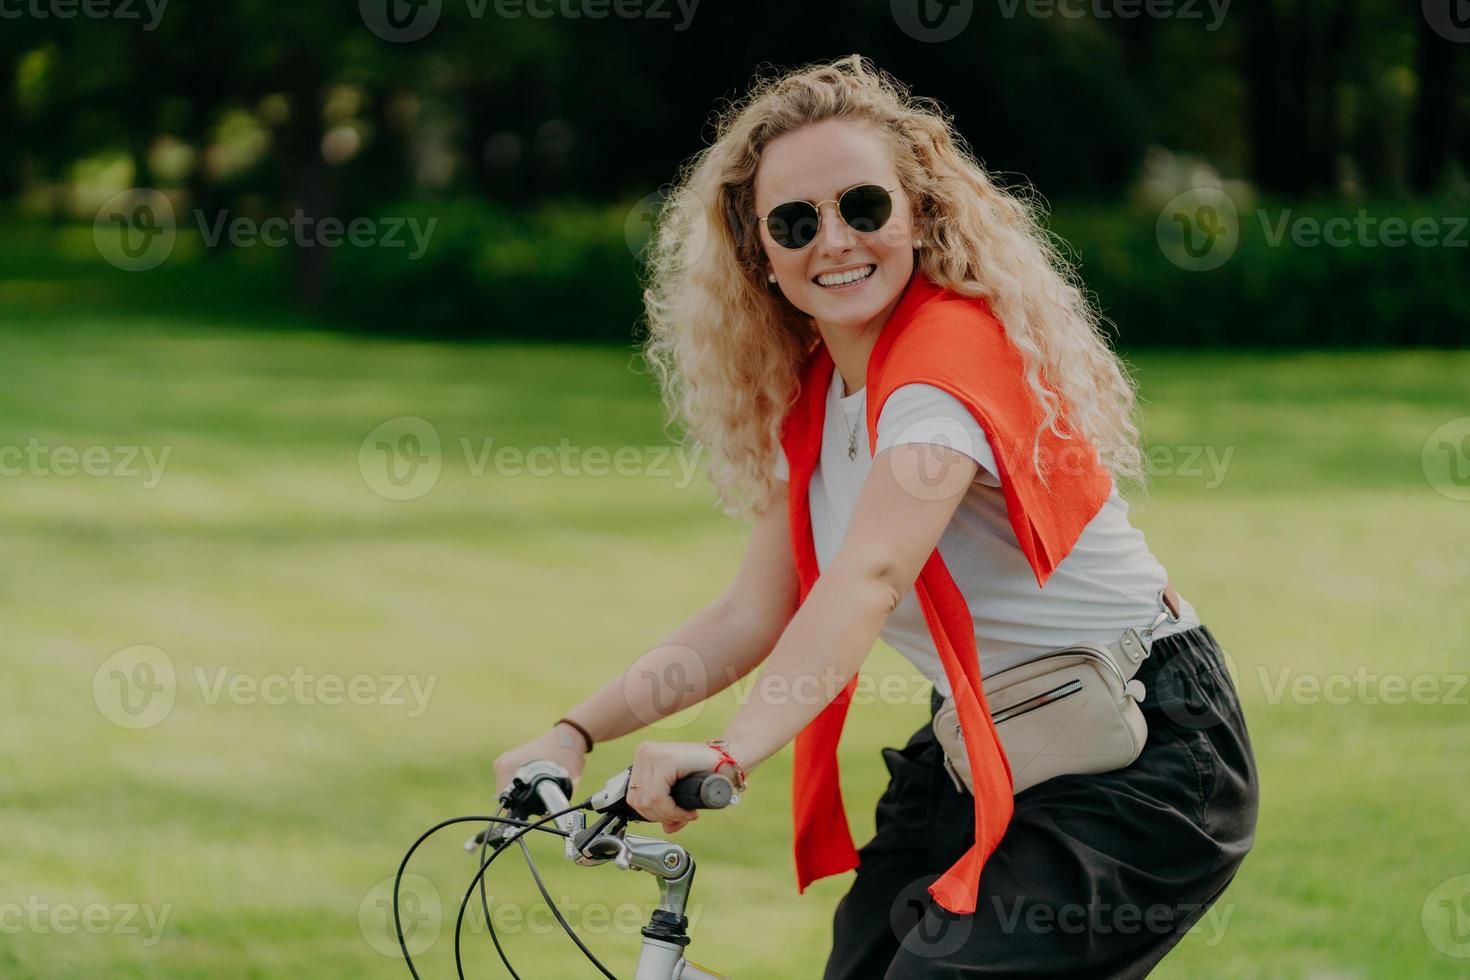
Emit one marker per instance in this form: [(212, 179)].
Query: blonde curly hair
[(727, 349)]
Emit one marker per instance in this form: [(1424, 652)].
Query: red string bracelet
[(721, 745)]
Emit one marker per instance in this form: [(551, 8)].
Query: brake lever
[(583, 847), (613, 792), (521, 800)]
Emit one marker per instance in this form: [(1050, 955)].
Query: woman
[(831, 206)]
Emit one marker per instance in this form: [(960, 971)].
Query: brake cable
[(479, 880), (525, 827), (485, 905)]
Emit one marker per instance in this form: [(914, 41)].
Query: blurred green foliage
[(572, 270), (529, 137), (562, 270)]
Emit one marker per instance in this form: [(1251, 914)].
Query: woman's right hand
[(546, 747)]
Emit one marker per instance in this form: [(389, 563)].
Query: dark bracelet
[(578, 727)]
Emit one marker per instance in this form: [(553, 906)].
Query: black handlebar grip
[(707, 790)]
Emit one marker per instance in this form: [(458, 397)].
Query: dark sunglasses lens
[(866, 208), (792, 225)]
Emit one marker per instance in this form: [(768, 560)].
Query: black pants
[(1097, 875)]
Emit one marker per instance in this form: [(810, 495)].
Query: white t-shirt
[(1108, 582)]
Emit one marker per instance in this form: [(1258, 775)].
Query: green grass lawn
[(241, 838)]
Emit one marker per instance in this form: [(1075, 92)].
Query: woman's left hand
[(656, 767)]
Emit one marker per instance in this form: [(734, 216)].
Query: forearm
[(711, 650), (820, 651)]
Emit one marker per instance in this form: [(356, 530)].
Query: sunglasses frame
[(817, 207)]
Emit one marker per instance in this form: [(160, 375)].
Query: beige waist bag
[(1074, 710)]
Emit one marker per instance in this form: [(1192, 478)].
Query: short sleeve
[(782, 470), (924, 413)]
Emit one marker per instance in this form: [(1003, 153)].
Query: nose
[(834, 235)]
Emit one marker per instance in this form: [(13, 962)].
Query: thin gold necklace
[(852, 437)]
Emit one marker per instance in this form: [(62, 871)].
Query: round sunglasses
[(864, 208)]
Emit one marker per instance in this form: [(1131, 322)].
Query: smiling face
[(816, 164)]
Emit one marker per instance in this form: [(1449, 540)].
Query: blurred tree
[(10, 51), (305, 108), (1435, 107), (203, 70), (1293, 57)]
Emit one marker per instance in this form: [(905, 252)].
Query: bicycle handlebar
[(704, 790), (542, 787)]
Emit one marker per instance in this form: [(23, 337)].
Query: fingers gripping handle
[(706, 790)]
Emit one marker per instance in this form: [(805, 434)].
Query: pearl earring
[(770, 277), (918, 243)]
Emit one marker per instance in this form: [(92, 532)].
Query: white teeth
[(841, 278)]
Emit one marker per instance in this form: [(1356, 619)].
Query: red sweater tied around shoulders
[(938, 337)]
